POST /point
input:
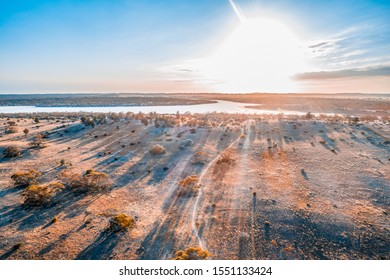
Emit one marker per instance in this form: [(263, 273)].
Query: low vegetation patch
[(192, 253), (225, 159), (11, 129), (38, 195), (186, 143), (200, 158), (91, 181), (157, 150), (25, 179), (189, 185), (121, 222), (37, 141), (12, 152)]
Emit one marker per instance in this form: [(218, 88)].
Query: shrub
[(26, 131), (24, 179), (92, 181), (186, 143), (199, 158), (37, 142), (189, 181), (11, 152), (11, 129), (189, 185), (157, 150), (145, 121), (121, 222), (225, 159), (36, 195), (192, 253)]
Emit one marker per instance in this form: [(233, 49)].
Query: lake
[(219, 107)]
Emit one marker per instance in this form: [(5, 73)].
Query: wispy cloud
[(356, 47), (345, 73)]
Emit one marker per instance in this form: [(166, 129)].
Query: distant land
[(343, 103)]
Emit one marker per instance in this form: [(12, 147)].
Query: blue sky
[(162, 46)]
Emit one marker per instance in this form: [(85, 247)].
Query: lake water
[(219, 107)]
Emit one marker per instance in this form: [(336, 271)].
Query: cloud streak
[(379, 71)]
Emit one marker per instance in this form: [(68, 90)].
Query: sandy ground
[(285, 195)]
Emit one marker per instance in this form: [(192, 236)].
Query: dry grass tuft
[(157, 150), (12, 152), (37, 195), (200, 158), (192, 253), (189, 181), (121, 222), (226, 159), (25, 179), (92, 181), (189, 185)]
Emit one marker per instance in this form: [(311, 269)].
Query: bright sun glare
[(259, 55)]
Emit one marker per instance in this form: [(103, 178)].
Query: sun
[(260, 55)]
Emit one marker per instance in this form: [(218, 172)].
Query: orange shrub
[(36, 195), (157, 150), (192, 253)]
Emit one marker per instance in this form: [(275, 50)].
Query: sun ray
[(238, 11)]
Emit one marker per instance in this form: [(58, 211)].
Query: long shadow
[(67, 203), (373, 138), (379, 191), (11, 214), (9, 253), (304, 174), (102, 247), (11, 190), (150, 165), (55, 243), (161, 239), (318, 236), (64, 134), (25, 155)]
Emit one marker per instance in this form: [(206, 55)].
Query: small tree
[(36, 120), (37, 142), (309, 116), (26, 131), (145, 121)]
